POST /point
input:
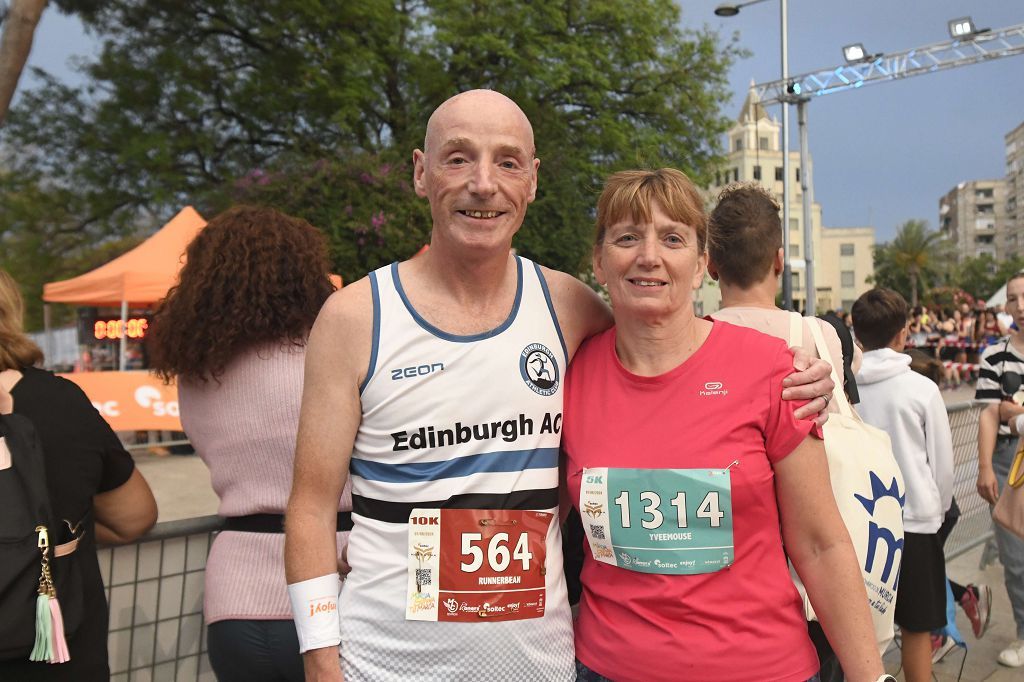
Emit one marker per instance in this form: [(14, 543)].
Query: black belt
[(273, 523), (1006, 437)]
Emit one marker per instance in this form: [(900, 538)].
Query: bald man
[(436, 383)]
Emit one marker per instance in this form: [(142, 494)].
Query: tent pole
[(124, 336)]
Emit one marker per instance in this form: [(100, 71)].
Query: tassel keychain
[(50, 644)]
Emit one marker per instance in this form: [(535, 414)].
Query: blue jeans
[(585, 674), (255, 651), (1011, 547)]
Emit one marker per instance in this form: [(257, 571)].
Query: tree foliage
[(916, 259), (315, 106), (981, 276)]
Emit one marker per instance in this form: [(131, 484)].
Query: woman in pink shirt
[(233, 332), (690, 472)]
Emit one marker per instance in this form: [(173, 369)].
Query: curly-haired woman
[(233, 332)]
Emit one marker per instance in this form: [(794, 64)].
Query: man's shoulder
[(562, 281), (580, 311), (752, 338), (354, 302)]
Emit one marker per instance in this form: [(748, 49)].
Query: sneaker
[(977, 604), (1013, 655), (945, 644)]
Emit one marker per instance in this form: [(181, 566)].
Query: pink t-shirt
[(740, 623)]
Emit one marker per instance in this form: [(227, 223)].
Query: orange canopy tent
[(141, 276)]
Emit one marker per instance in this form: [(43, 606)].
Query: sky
[(883, 154)]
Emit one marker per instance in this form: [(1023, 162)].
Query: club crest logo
[(539, 370)]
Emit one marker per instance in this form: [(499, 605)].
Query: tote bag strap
[(837, 393), (796, 330)]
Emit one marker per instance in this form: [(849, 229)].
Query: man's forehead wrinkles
[(508, 148)]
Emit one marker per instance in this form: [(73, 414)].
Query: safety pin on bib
[(735, 463)]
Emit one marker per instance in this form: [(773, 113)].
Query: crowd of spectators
[(957, 336)]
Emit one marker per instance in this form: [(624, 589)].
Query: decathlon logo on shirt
[(539, 369), (713, 388)]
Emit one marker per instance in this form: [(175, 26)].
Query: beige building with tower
[(842, 255)]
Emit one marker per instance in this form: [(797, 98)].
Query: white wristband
[(315, 610), (1020, 424)]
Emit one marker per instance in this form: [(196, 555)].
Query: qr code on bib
[(597, 532), (424, 576)]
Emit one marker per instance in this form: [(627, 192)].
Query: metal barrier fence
[(155, 592), (975, 525), (155, 585)]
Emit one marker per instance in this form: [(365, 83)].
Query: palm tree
[(915, 258)]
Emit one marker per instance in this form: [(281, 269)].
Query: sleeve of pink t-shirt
[(783, 432)]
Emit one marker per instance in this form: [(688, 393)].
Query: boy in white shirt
[(910, 409)]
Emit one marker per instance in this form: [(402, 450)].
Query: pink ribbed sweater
[(244, 430)]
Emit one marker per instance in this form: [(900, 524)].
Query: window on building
[(846, 249), (984, 238), (985, 208), (985, 193), (846, 279), (757, 172), (847, 304), (794, 225), (794, 250), (735, 174), (738, 144), (796, 281), (762, 143), (798, 174), (778, 174)]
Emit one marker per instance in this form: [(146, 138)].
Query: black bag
[(26, 509)]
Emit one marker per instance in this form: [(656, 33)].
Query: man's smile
[(642, 282)]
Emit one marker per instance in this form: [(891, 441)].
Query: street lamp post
[(731, 10)]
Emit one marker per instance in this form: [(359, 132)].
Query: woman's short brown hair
[(253, 275), (630, 194), (16, 349), (747, 234)]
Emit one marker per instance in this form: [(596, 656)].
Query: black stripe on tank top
[(398, 512)]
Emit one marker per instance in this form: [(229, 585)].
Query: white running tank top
[(423, 385)]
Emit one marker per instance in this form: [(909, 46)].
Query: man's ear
[(533, 183), (712, 270), (780, 262), (419, 168)]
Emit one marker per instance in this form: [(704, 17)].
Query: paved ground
[(180, 483), (182, 488), (980, 663)]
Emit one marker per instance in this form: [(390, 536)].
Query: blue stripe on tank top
[(487, 462), (375, 292), (440, 333), (551, 309)]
